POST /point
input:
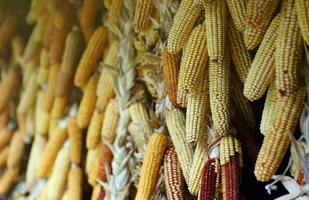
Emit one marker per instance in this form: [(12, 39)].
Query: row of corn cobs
[(67, 95)]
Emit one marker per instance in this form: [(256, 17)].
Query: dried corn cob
[(87, 104), (7, 29), (229, 146), (54, 144), (57, 180), (38, 8), (7, 180), (216, 29), (182, 98), (288, 59), (75, 183), (183, 24), (262, 68), (3, 156), (60, 106), (286, 113), (17, 45), (151, 166), (171, 66), (71, 55), (208, 181), (194, 60), (237, 9), (94, 130), (42, 122), (96, 192), (302, 7), (268, 110), (8, 87), (141, 14), (90, 158), (5, 137), (75, 136), (114, 11), (16, 151), (173, 178), (239, 54), (258, 17), (4, 118), (91, 56), (175, 121), (110, 121), (44, 67)]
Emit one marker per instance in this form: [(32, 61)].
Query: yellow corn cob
[(110, 121), (63, 14), (18, 45), (87, 17), (91, 56), (28, 96), (96, 192), (268, 110), (35, 158), (8, 87), (42, 122), (54, 144), (258, 17), (75, 136), (38, 8), (58, 178), (7, 29), (141, 14), (216, 29), (90, 159), (44, 67), (242, 104), (50, 92), (30, 123), (182, 98), (194, 60), (237, 9), (171, 66), (302, 7), (262, 69), (183, 24), (52, 126), (288, 59), (175, 121), (87, 104), (28, 70), (139, 130), (7, 180), (114, 11), (5, 137), (60, 106), (75, 183), (71, 55), (239, 54), (16, 150), (94, 130), (151, 166), (229, 146), (3, 156), (285, 119), (173, 178), (4, 118), (199, 160), (48, 34), (219, 95)]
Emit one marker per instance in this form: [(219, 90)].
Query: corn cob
[(87, 104), (71, 55), (288, 59), (114, 11), (8, 87), (258, 17), (38, 8), (5, 137), (151, 166), (53, 146), (50, 92), (286, 114), (216, 29), (229, 146), (44, 67), (194, 60), (208, 181), (7, 29), (3, 156), (173, 178), (60, 106), (241, 102), (182, 26), (75, 183), (237, 9), (7, 180), (199, 160), (16, 151), (90, 159), (302, 7), (57, 180), (141, 14), (239, 54), (43, 122), (94, 130), (268, 110), (262, 69), (17, 45), (35, 158), (63, 14), (88, 13), (75, 136), (171, 66), (48, 33), (91, 56), (182, 98), (110, 121), (96, 192), (175, 121), (4, 118)]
